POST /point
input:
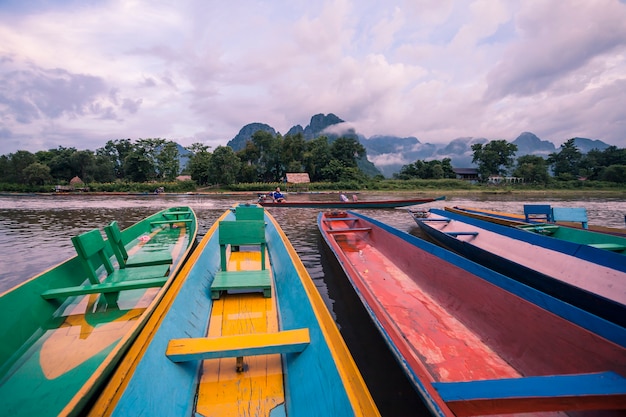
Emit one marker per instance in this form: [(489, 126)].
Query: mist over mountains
[(388, 153)]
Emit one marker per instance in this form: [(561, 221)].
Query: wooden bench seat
[(170, 221), (594, 391), (609, 246), (191, 349), (240, 281), (349, 229), (106, 287), (90, 250), (337, 219), (137, 259), (462, 233)]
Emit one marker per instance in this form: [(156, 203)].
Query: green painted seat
[(137, 259), (241, 233), (91, 250), (249, 212)]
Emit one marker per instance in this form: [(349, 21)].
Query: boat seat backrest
[(538, 211), (90, 247), (241, 232), (114, 235), (249, 213), (570, 214)]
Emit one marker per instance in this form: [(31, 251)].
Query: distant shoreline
[(544, 193)]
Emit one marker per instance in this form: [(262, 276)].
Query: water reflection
[(35, 234)]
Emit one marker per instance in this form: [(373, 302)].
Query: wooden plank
[(241, 280), (224, 391), (170, 221), (287, 341), (462, 233), (104, 288), (350, 229), (337, 219), (595, 391), (609, 246)]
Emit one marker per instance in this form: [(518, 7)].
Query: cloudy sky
[(78, 72)]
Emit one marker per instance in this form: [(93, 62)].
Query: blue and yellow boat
[(65, 330), (243, 331)]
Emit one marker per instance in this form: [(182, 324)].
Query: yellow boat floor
[(259, 388)]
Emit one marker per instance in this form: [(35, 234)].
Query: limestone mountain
[(386, 154)]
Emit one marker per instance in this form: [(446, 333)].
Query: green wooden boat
[(604, 241), (64, 330)]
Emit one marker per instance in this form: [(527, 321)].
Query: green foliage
[(566, 163), (533, 169), (223, 166), (426, 170), (494, 158)]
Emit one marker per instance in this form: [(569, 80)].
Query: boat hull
[(513, 219), (449, 320), (559, 268), (381, 204), (56, 353), (320, 380)]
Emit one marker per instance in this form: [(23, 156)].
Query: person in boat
[(277, 196), (343, 198)]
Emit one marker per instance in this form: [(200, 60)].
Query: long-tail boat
[(350, 204), (536, 214), (473, 341), (590, 278), (243, 331), (65, 330)]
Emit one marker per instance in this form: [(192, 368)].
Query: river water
[(35, 234)]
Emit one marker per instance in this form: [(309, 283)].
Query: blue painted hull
[(313, 383), (528, 271)]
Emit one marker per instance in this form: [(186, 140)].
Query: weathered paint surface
[(590, 278), (223, 391), (72, 350), (320, 380), (450, 320)]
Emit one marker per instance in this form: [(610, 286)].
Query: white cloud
[(197, 71)]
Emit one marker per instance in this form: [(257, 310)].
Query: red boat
[(473, 341)]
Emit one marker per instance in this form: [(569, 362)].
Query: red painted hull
[(450, 320)]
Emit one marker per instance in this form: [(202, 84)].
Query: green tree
[(139, 166), (269, 164), (19, 161), (316, 156), (292, 152), (223, 166), (347, 151), (60, 162), (566, 162), (495, 157), (615, 173), (199, 163), (167, 161), (116, 152), (533, 169), (37, 174), (83, 165)]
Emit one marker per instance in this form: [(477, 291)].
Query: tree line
[(497, 158), (265, 158)]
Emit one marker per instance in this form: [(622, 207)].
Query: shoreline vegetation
[(589, 189)]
